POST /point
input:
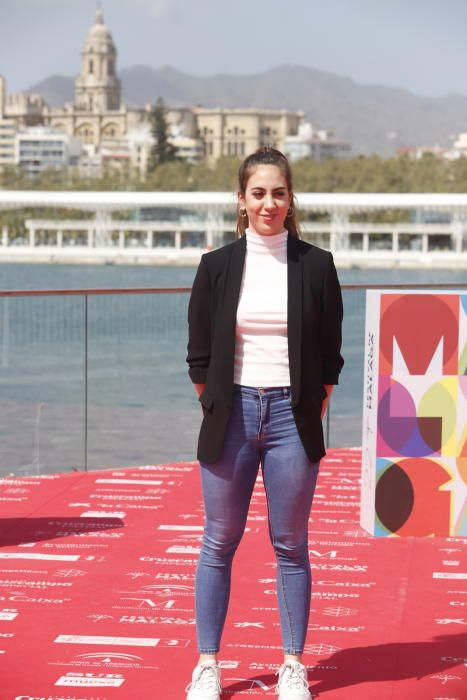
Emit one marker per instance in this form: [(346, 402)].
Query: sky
[(417, 45)]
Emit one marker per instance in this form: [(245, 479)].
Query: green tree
[(162, 150)]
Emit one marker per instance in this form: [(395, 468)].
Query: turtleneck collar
[(275, 241)]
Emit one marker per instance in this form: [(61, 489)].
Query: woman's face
[(266, 200)]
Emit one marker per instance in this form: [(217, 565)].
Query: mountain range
[(374, 118)]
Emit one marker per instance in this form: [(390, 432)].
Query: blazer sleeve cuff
[(198, 375)]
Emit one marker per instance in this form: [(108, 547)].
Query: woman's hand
[(329, 388), (199, 388)]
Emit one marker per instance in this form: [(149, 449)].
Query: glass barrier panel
[(142, 407), (42, 367)]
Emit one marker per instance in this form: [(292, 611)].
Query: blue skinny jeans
[(261, 430)]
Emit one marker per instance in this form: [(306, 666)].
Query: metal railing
[(96, 378)]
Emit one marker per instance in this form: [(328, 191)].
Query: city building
[(114, 134), (40, 148), (8, 131), (237, 132), (460, 145), (315, 143)]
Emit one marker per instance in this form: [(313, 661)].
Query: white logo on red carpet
[(8, 614), (260, 625), (141, 603), (445, 678), (229, 664), (70, 573), (339, 612), (451, 621), (23, 598), (250, 683), (95, 617), (322, 649), (91, 680), (105, 640)]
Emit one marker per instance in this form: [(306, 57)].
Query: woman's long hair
[(267, 156)]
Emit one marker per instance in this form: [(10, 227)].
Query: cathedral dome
[(99, 32)]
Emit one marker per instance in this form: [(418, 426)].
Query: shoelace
[(206, 679), (292, 677)]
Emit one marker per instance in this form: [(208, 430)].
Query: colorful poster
[(414, 461)]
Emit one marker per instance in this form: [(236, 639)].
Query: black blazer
[(314, 308)]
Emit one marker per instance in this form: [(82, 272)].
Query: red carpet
[(96, 594)]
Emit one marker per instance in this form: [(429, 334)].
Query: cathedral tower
[(97, 89)]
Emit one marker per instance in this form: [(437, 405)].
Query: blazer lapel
[(228, 317), (294, 314)]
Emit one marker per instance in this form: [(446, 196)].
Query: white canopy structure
[(435, 233), (332, 203)]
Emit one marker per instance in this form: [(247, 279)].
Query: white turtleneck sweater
[(261, 350)]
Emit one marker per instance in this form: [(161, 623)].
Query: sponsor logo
[(56, 697), (91, 680), (449, 621), (162, 591), (6, 635), (170, 562), (322, 649), (181, 528), (458, 603), (70, 573), (345, 584), (103, 513), (179, 549), (250, 683), (174, 577), (455, 660), (8, 614), (260, 625), (42, 557), (152, 620), (114, 641), (229, 664), (339, 612), (359, 568), (141, 603), (450, 562), (445, 678), (96, 617), (105, 660), (34, 584), (335, 628), (144, 482), (320, 595), (23, 598), (450, 575)]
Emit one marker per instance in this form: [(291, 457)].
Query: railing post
[(86, 345), (5, 236)]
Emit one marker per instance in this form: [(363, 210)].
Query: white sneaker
[(205, 683), (292, 683)]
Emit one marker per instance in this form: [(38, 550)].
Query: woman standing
[(265, 318)]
